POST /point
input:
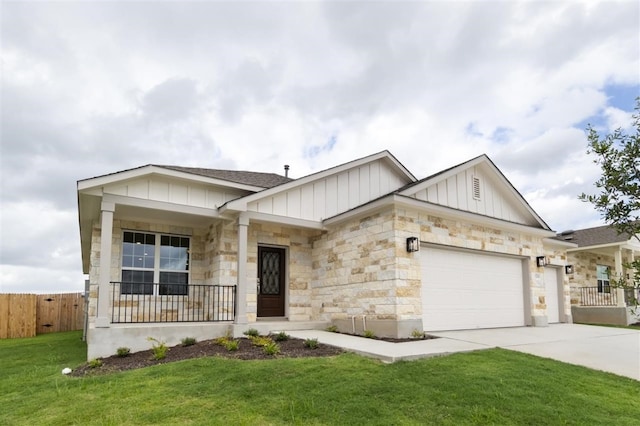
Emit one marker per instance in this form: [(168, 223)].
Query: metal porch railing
[(598, 296), (155, 303)]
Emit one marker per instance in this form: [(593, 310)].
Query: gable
[(160, 188), (330, 195), (476, 187)]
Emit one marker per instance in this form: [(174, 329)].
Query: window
[(602, 275), (151, 258)]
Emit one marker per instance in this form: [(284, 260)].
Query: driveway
[(616, 350)]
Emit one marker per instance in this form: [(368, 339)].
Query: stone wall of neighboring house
[(585, 271)]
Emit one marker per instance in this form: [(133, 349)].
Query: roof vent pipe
[(286, 170)]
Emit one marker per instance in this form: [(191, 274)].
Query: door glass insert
[(270, 280)]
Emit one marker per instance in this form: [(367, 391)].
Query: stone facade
[(357, 274), (584, 271)]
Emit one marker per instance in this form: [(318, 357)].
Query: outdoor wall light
[(568, 269), (413, 244), (541, 261)]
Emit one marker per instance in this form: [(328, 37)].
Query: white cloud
[(92, 88)]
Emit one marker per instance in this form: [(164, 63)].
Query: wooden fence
[(25, 315)]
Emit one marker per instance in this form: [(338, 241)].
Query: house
[(601, 254), (173, 252)]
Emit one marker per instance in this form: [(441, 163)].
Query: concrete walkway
[(616, 350)]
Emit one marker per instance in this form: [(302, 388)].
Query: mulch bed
[(292, 348)]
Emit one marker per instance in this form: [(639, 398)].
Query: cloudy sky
[(90, 88)]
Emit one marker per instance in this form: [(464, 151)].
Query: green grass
[(486, 387)]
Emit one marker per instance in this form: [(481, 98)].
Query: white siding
[(177, 192), (496, 200), (332, 195)]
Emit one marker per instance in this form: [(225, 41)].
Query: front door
[(271, 281)]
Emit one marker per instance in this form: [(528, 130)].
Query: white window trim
[(156, 259)]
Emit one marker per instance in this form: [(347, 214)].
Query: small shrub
[(95, 363), (159, 349), (417, 334), (281, 337), (231, 345), (369, 334), (332, 329), (271, 348), (260, 340), (252, 332), (188, 341), (123, 351), (311, 343)]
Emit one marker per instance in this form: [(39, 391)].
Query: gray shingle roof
[(263, 180), (593, 236)]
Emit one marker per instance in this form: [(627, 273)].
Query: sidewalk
[(387, 351)]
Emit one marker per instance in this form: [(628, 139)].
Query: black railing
[(598, 296), (149, 303)]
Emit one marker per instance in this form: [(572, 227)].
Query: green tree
[(618, 196)]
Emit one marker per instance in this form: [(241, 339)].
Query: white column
[(618, 273), (103, 318), (241, 286)]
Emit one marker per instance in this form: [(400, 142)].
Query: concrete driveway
[(616, 350)]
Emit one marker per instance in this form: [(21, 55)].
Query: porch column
[(241, 287), (103, 318), (618, 273)]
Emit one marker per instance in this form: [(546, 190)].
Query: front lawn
[(486, 387)]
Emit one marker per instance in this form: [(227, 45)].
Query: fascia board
[(284, 220), (160, 205), (121, 177), (558, 243), (598, 246)]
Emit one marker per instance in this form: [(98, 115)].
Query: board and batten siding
[(189, 194), (457, 192), (332, 195)]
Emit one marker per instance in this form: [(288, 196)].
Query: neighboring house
[(173, 252), (600, 256)]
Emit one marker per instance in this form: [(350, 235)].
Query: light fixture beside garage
[(541, 261), (568, 269), (413, 244)]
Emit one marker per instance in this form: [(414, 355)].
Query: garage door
[(466, 290), (551, 294)]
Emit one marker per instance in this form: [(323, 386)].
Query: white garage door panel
[(463, 290), (551, 294)]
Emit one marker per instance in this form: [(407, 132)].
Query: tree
[(618, 199)]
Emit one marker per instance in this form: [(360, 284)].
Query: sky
[(90, 88)]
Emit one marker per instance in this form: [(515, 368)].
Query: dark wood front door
[(271, 281)]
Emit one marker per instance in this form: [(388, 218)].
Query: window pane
[(173, 283), (174, 253), (136, 282), (602, 272)]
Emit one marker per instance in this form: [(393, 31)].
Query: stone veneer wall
[(362, 267), (354, 268), (584, 271), (197, 263)]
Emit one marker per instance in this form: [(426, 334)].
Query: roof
[(594, 236), (263, 180)]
